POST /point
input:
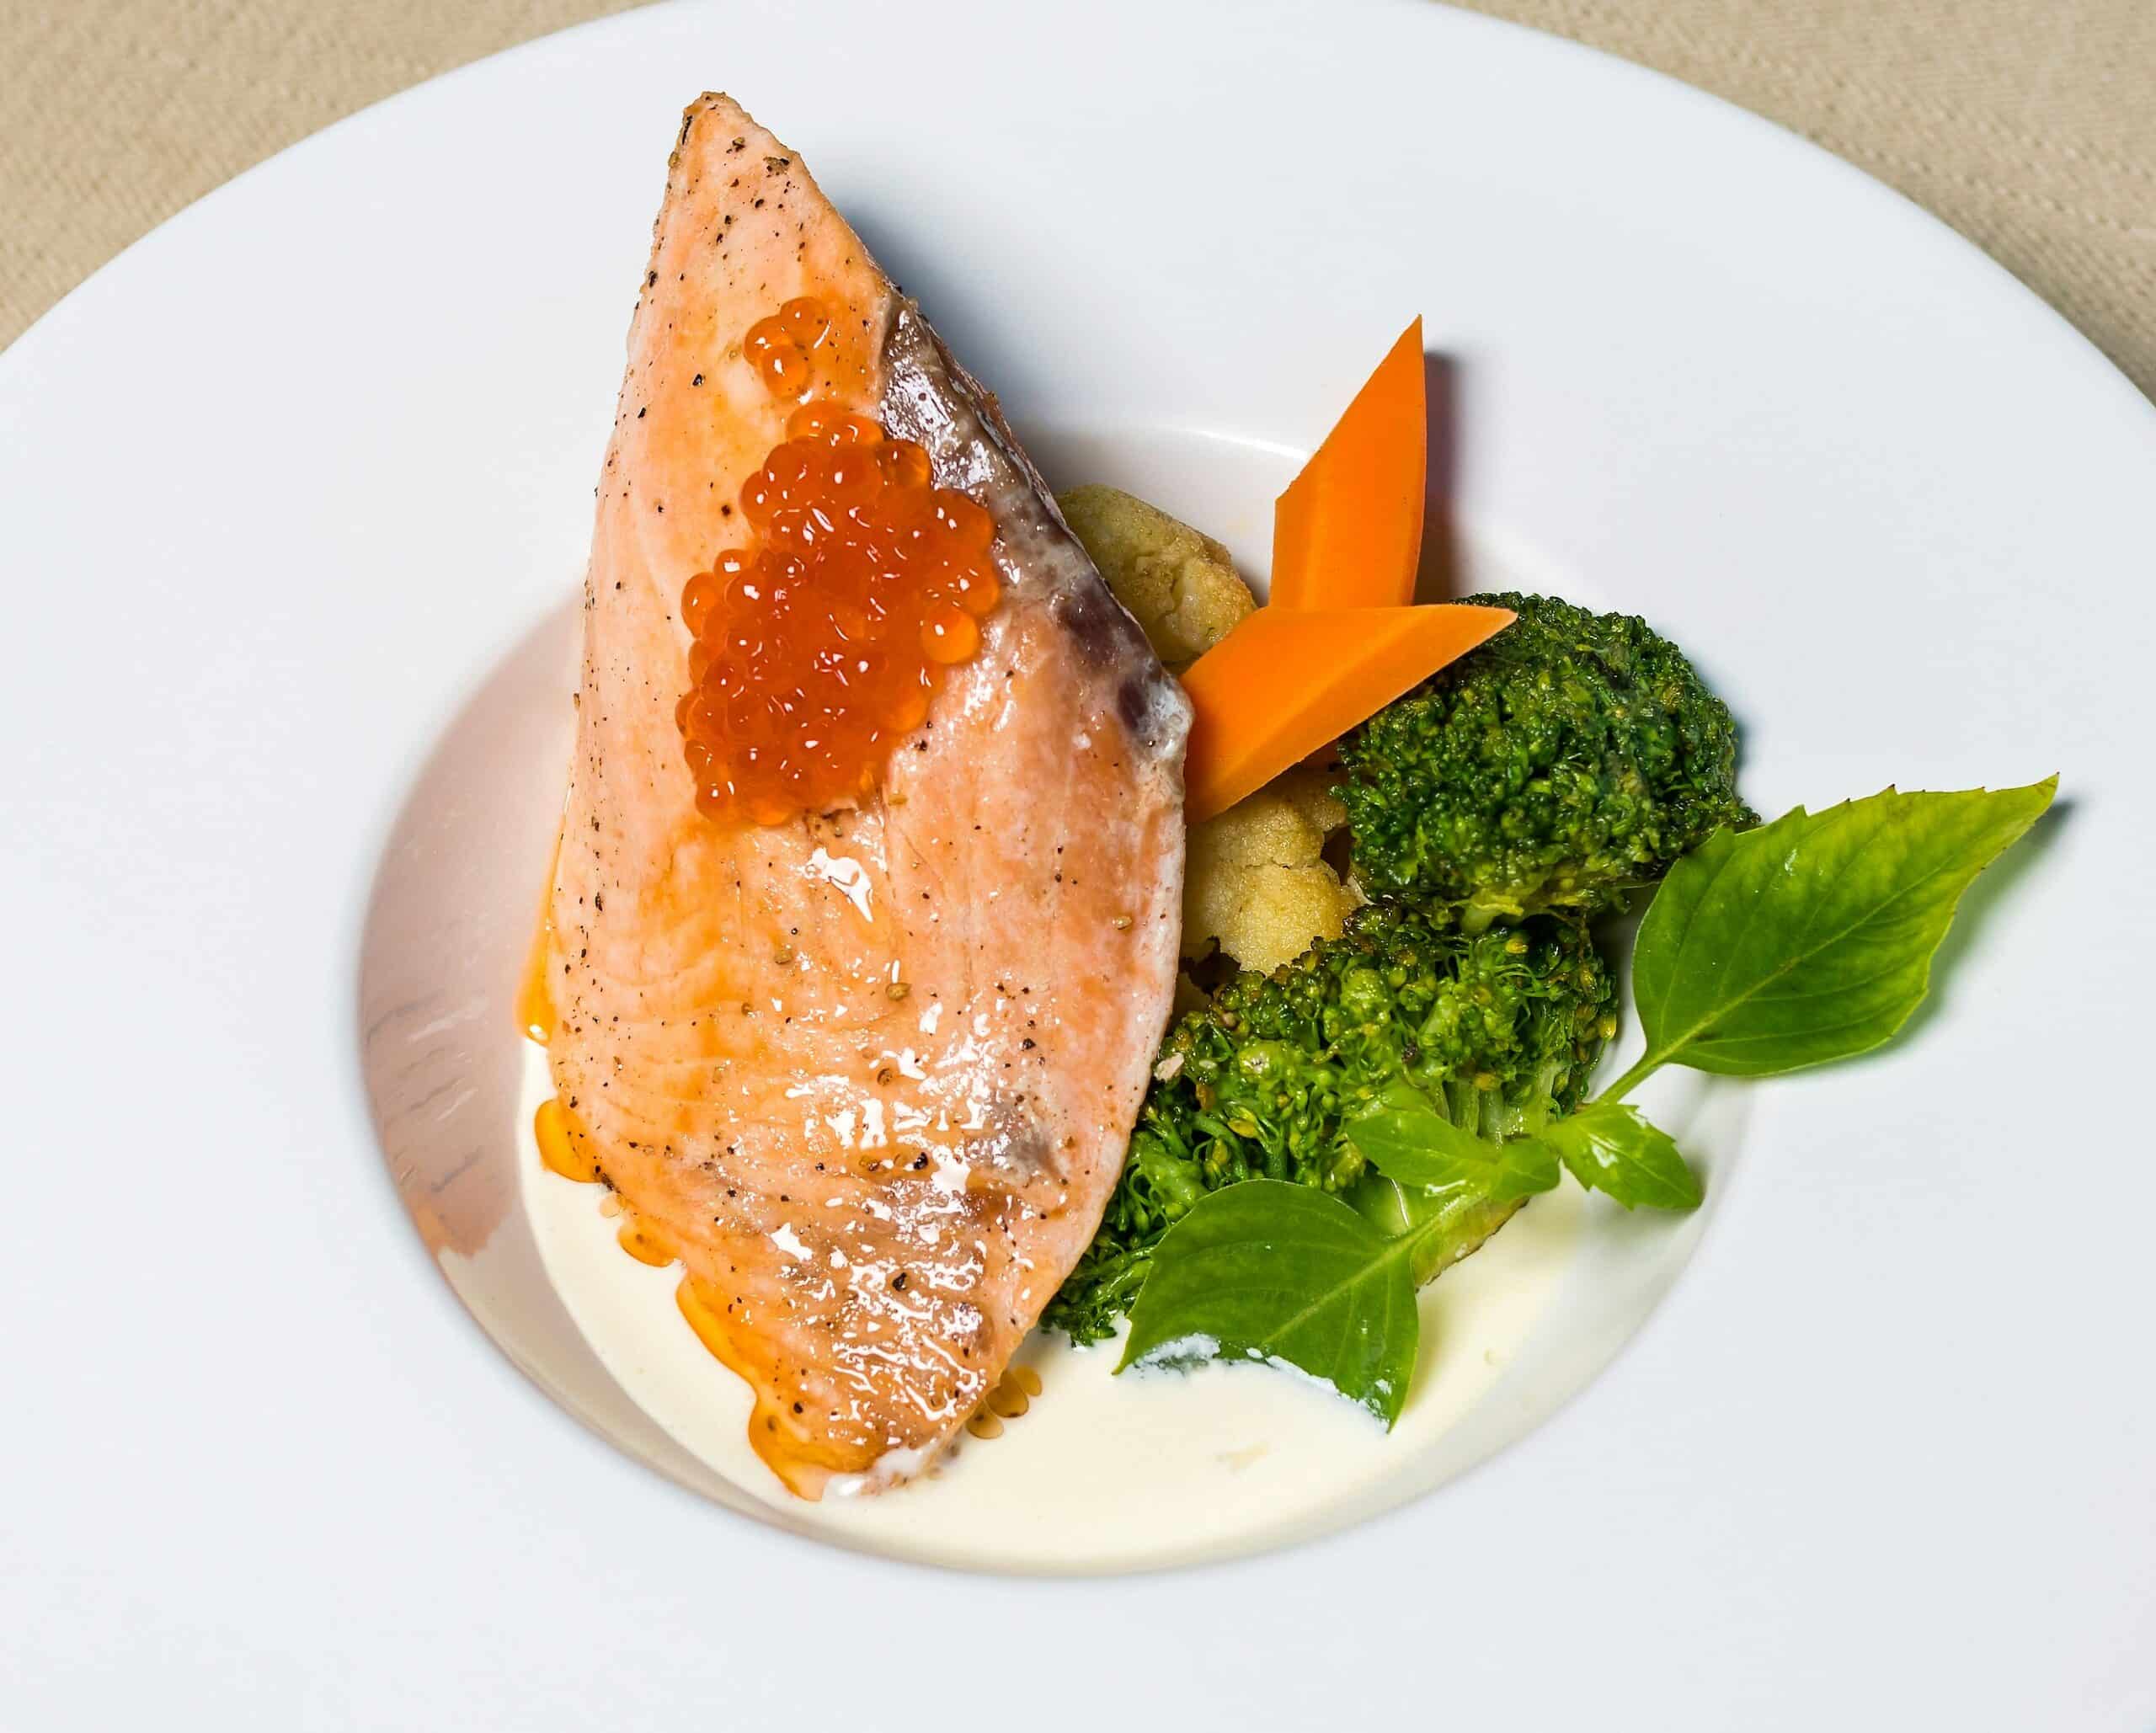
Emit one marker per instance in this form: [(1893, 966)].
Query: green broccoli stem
[(1477, 919)]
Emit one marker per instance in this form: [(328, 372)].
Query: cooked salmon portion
[(869, 1074)]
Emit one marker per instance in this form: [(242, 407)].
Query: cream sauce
[(1074, 1468)]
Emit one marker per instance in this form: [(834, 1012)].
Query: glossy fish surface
[(867, 1074)]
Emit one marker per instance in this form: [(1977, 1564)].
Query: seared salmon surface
[(869, 1074)]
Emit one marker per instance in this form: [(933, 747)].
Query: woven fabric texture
[(2030, 127)]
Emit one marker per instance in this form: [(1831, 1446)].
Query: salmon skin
[(869, 1075)]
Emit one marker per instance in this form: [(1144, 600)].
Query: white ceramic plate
[(286, 487)]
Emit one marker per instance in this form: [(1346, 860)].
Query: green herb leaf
[(1268, 1270), (1404, 1137), (1449, 1223), (1611, 1148), (1811, 939)]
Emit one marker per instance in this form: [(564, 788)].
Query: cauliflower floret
[(1308, 788), (1179, 585), (1256, 880), (1257, 885)]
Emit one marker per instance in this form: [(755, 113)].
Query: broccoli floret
[(1572, 757), (1502, 1029)]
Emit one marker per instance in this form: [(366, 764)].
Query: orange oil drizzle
[(1009, 1400), (646, 1242), (535, 993), (534, 997), (708, 1321), (787, 1444), (564, 1146)]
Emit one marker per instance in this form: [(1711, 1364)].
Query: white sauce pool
[(1101, 1473)]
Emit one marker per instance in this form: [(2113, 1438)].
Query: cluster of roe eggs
[(817, 643)]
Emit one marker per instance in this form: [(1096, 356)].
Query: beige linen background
[(2029, 124)]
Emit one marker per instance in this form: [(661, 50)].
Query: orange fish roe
[(780, 348), (821, 643)]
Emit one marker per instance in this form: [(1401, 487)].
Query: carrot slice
[(1284, 682), (1349, 532)]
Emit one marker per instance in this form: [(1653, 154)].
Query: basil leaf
[(1811, 939), (1449, 1222), (1267, 1270), (1404, 1137), (1611, 1148)]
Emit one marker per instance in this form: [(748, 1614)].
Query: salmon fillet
[(867, 1075)]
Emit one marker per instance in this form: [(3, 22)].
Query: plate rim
[(29, 352)]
